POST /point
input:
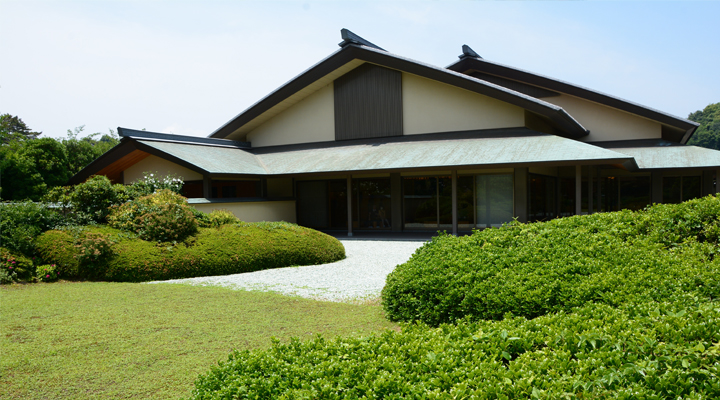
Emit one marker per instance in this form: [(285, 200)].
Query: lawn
[(127, 340)]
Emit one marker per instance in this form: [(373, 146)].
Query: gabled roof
[(468, 65), (351, 56)]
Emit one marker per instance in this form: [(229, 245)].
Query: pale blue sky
[(188, 67)]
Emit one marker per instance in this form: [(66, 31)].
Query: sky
[(188, 67)]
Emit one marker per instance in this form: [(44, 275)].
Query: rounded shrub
[(58, 247), (534, 269), (164, 216), (229, 249), (94, 197), (653, 350)]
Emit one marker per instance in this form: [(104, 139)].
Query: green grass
[(126, 340)]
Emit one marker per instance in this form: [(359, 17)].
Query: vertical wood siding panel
[(368, 103)]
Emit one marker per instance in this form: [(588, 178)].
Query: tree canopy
[(31, 166), (13, 128), (708, 133)]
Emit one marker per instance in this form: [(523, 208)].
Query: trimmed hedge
[(623, 305), (655, 350), (229, 249), (533, 269)]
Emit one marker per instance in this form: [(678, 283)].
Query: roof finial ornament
[(351, 38), (468, 53)]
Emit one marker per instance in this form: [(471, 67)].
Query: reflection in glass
[(634, 192), (691, 187), (371, 203), (494, 200), (672, 189), (542, 194), (420, 202)]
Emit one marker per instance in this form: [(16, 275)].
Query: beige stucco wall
[(606, 123), (163, 167), (255, 211), (430, 106), (310, 120)]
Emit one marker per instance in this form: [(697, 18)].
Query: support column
[(599, 189), (349, 204), (591, 185), (717, 181), (207, 186), (520, 195), (656, 187), (578, 189), (396, 202), (454, 204)]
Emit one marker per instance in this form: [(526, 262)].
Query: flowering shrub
[(14, 267), (164, 216), (47, 273), (94, 249), (154, 182)]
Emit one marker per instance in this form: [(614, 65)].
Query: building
[(368, 140)]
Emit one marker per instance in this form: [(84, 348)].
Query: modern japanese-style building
[(369, 140)]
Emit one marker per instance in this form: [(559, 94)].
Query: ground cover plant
[(617, 305), (102, 340)]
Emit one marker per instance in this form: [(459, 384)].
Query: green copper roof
[(211, 159), (514, 147), (664, 156)]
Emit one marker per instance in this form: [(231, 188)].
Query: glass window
[(312, 210), (691, 187), (371, 203), (672, 189), (466, 202), (542, 196), (634, 192), (494, 200), (420, 204)]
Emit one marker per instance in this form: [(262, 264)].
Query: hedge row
[(654, 350), (534, 269), (105, 253), (619, 305)]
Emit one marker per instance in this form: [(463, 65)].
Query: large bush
[(21, 223), (654, 350), (229, 249), (619, 305), (534, 269), (164, 216)]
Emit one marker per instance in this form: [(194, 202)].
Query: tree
[(83, 151), (708, 133), (13, 128), (32, 167)]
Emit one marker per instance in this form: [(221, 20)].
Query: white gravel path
[(359, 277)]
